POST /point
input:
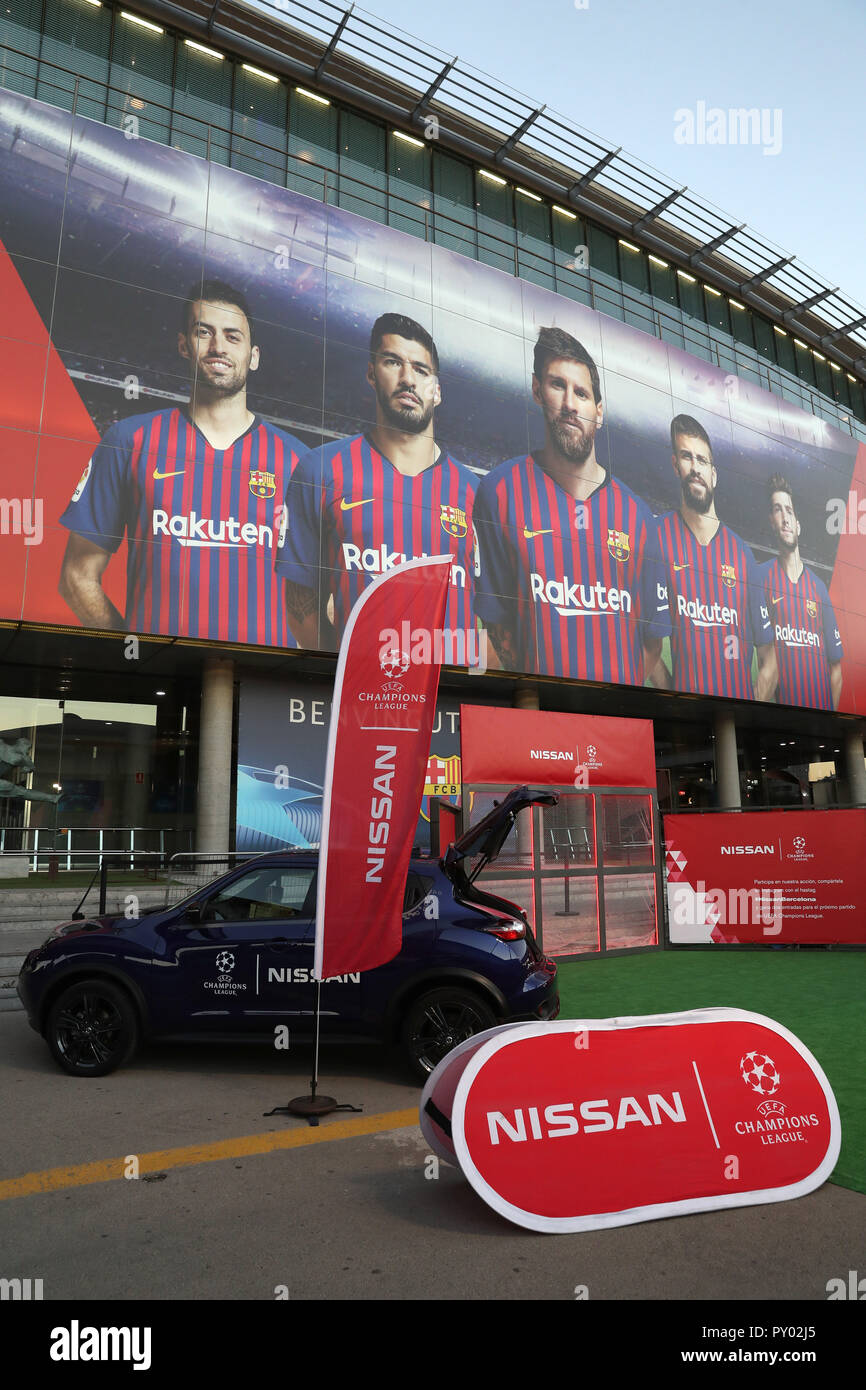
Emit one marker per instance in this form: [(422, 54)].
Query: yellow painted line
[(110, 1169)]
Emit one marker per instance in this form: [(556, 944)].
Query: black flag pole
[(312, 1106)]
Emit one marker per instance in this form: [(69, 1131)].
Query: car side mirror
[(194, 912)]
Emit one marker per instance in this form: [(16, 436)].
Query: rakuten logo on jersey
[(706, 614), (203, 532), (371, 561), (573, 600), (797, 636)]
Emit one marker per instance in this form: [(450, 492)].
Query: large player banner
[(768, 877), (228, 407), (379, 738)]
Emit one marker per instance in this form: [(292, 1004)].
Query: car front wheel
[(92, 1028), (437, 1021)]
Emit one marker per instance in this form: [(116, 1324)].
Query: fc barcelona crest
[(619, 545), (262, 484), (811, 608), (729, 576), (453, 521)]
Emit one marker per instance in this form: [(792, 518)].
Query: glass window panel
[(741, 326), (202, 102), (663, 282), (629, 911), (141, 71), (569, 915), (691, 298), (495, 223), (805, 364), (20, 23), (571, 255), (313, 147), (568, 831), (840, 387), (409, 186), (260, 138), (534, 245), (602, 252), (76, 43), (634, 268), (453, 204), (627, 827), (716, 310), (765, 338), (785, 351), (363, 179), (264, 895), (822, 376)]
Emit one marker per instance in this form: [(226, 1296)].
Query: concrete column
[(215, 758), (526, 696), (727, 768), (855, 767)]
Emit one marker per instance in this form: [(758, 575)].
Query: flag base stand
[(311, 1107)]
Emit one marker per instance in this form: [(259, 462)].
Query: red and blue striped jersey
[(352, 515), (578, 583), (718, 613), (201, 525), (807, 636)]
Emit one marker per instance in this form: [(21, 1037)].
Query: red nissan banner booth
[(587, 871), (766, 876), (583, 1124)]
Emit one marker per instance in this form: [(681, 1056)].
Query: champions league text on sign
[(579, 1125)]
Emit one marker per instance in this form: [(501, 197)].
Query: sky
[(622, 69)]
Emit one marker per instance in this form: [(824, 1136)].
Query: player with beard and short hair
[(808, 646), (198, 492), (714, 585), (358, 506), (570, 581)]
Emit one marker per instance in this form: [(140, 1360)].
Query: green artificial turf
[(819, 995)]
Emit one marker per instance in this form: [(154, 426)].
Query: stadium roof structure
[(354, 56)]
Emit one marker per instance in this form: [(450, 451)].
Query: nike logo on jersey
[(175, 474), (677, 568), (530, 535), (350, 506), (779, 599)]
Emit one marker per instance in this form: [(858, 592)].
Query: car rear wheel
[(437, 1021), (92, 1028)]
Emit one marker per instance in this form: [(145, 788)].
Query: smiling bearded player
[(196, 490)]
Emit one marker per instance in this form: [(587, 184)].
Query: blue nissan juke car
[(236, 957)]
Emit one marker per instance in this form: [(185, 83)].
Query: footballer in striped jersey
[(570, 579), (715, 586), (197, 490), (808, 646), (358, 507)]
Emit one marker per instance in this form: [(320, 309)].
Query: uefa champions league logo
[(394, 664), (225, 961), (759, 1073), (799, 842)]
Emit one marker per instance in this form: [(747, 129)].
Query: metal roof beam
[(508, 145), (421, 106), (765, 274), (710, 246), (830, 338), (658, 209), (797, 309), (334, 40), (592, 174)]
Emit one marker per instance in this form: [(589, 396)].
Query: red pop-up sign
[(573, 1126)]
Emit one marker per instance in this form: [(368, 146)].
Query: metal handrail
[(384, 200)]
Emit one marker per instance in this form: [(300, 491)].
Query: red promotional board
[(579, 1125), (539, 747), (379, 738), (792, 876)]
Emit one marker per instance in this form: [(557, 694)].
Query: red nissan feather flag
[(378, 745)]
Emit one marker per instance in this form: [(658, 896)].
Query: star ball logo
[(224, 983), (799, 842), (759, 1073), (394, 663), (225, 961)]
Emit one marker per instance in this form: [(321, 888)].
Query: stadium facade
[(645, 429)]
